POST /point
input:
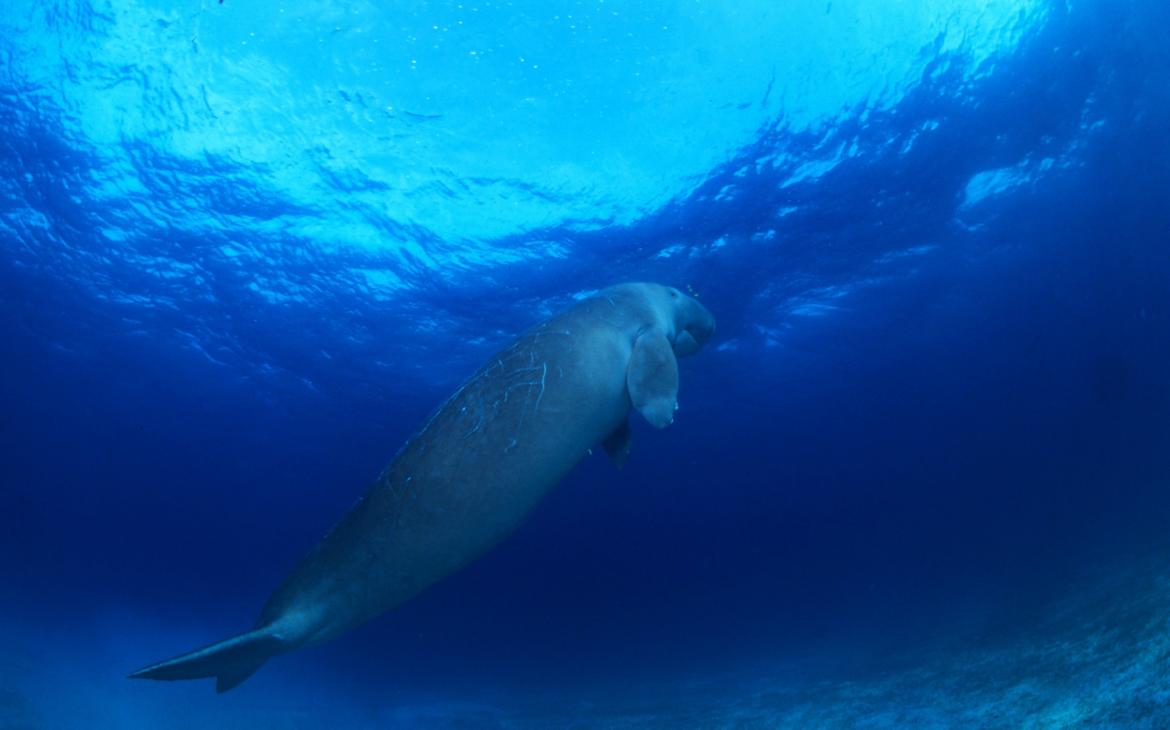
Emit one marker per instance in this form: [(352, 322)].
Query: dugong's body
[(476, 469)]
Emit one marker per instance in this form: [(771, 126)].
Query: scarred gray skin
[(477, 468), (483, 461)]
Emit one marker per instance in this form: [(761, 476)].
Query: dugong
[(477, 468)]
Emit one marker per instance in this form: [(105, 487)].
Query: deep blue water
[(921, 477)]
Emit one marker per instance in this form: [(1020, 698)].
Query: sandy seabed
[(1097, 658)]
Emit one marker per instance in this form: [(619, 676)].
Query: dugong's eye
[(674, 293)]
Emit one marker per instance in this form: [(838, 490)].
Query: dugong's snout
[(702, 325), (696, 325)]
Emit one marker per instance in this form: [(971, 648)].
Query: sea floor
[(1098, 657)]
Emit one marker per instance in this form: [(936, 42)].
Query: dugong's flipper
[(230, 661), (652, 378)]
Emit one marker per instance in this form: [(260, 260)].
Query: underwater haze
[(920, 476)]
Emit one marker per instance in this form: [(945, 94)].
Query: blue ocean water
[(921, 476)]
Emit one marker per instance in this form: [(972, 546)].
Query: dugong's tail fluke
[(230, 661)]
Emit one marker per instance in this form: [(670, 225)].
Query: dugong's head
[(690, 322), (659, 319)]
